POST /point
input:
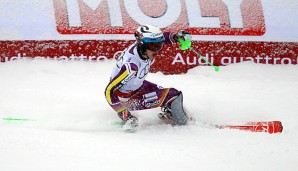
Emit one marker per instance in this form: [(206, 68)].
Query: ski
[(270, 127)]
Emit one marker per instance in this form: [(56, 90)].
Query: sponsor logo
[(265, 128), (200, 17), (226, 60), (71, 57), (150, 104), (151, 99)]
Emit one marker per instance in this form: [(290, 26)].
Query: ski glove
[(184, 35)]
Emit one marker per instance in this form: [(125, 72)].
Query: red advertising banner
[(171, 60)]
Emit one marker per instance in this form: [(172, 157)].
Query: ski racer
[(129, 91)]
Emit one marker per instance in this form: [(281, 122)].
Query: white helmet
[(149, 37)]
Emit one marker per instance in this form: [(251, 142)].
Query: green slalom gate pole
[(186, 44), (17, 119)]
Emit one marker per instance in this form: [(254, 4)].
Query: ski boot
[(130, 122), (166, 115), (175, 114)]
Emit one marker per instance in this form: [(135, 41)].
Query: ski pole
[(186, 44), (216, 68), (17, 119)]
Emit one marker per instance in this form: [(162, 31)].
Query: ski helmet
[(149, 37)]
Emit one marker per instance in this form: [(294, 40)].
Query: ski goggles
[(155, 46)]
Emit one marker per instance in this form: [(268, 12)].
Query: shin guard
[(177, 111)]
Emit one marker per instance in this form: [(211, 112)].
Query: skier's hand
[(184, 38), (184, 35)]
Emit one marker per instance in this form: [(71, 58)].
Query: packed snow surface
[(71, 121)]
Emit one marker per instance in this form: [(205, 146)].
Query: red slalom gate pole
[(269, 127)]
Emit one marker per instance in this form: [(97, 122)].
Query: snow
[(72, 130)]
